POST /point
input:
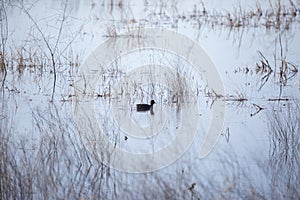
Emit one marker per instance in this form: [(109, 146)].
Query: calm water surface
[(67, 144)]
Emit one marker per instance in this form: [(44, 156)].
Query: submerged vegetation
[(48, 52), (277, 16)]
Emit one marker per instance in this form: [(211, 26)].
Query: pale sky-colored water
[(248, 148)]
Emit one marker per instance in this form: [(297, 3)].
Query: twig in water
[(258, 109)]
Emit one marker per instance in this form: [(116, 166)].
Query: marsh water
[(66, 134)]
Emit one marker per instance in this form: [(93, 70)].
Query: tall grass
[(3, 38), (284, 129), (53, 164)]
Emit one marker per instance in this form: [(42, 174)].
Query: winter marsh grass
[(46, 154), (58, 164), (284, 129), (54, 164), (278, 16)]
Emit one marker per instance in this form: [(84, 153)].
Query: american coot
[(145, 107)]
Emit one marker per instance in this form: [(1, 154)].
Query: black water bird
[(145, 107)]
